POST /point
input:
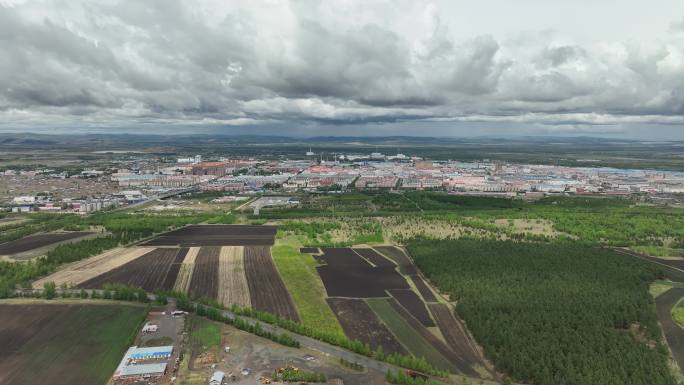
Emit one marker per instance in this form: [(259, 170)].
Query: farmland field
[(216, 235), (81, 271), (182, 284), (172, 274), (233, 287), (205, 275), (266, 288), (64, 344), (454, 333), (399, 257), (360, 323), (148, 272), (406, 334), (374, 258), (411, 302), (38, 240), (344, 270), (423, 288), (298, 272)]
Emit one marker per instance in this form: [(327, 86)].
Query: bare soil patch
[(266, 288), (360, 323)]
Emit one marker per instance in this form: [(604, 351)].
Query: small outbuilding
[(217, 378)]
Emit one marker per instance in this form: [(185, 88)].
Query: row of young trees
[(123, 228), (553, 313), (416, 363)]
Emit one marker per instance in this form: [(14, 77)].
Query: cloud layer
[(173, 62)]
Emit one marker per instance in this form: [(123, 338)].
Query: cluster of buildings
[(411, 174), (149, 179)]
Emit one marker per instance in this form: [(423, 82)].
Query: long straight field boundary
[(147, 272), (182, 284), (299, 274), (266, 288), (411, 339), (455, 334), (205, 275), (84, 270), (75, 344), (455, 359), (233, 288)]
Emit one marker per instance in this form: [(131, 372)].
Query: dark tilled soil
[(204, 281), (423, 288), (411, 302), (360, 323), (266, 289), (402, 260), (374, 257), (462, 364), (673, 332), (174, 269), (37, 241), (455, 334), (216, 235), (147, 272), (346, 274), (309, 250)]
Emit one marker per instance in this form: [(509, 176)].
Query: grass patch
[(406, 335), (658, 251), (659, 287), (205, 333), (308, 293)]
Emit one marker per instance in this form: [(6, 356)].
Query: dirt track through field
[(673, 332), (266, 289), (233, 288), (182, 284), (204, 281), (76, 273)]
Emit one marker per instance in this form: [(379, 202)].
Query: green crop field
[(407, 335), (66, 344), (302, 281)]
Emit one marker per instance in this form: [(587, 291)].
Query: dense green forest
[(553, 313)]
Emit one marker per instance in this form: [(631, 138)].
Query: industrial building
[(136, 363)]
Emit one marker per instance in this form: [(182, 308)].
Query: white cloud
[(244, 63)]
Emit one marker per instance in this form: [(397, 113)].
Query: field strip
[(84, 270), (233, 287), (182, 284), (301, 278), (410, 338)]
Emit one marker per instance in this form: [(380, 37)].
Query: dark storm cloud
[(178, 63)]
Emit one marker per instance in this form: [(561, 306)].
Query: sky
[(308, 68)]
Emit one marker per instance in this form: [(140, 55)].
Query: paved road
[(673, 332)]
